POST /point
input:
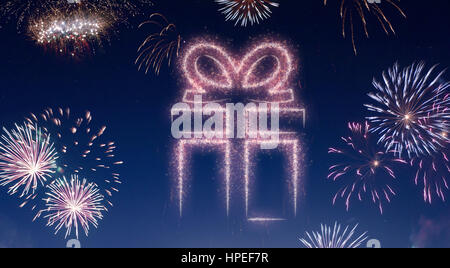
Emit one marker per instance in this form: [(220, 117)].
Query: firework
[(71, 27), (83, 147), (432, 173), (407, 114), (367, 169), (27, 159), (116, 11), (265, 220), (434, 169), (164, 44), (247, 11), (23, 10), (74, 203), (119, 10), (76, 34), (329, 237), (363, 9)]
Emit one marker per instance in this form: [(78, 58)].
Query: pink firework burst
[(365, 168), (74, 203), (433, 170), (27, 159), (432, 173)]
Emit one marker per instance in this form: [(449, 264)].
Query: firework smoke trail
[(27, 159), (367, 169), (404, 102), (246, 11), (334, 238), (164, 44), (83, 148), (73, 204), (362, 8)]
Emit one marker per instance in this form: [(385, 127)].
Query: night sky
[(332, 83)]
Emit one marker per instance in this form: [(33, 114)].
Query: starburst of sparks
[(83, 147), (27, 159), (72, 27), (247, 11), (337, 237), (72, 35), (363, 9), (163, 44), (114, 11), (365, 168), (73, 204), (407, 116)]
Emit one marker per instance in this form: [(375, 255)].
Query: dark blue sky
[(136, 108)]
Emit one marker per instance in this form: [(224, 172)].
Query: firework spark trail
[(184, 149), (265, 220), (83, 147), (164, 44), (362, 8), (237, 73), (433, 173), (365, 168), (73, 204), (246, 11), (24, 10), (27, 159), (241, 71), (119, 10), (334, 238), (404, 101), (433, 170), (291, 150)]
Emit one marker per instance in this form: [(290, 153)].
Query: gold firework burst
[(163, 44), (364, 8)]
